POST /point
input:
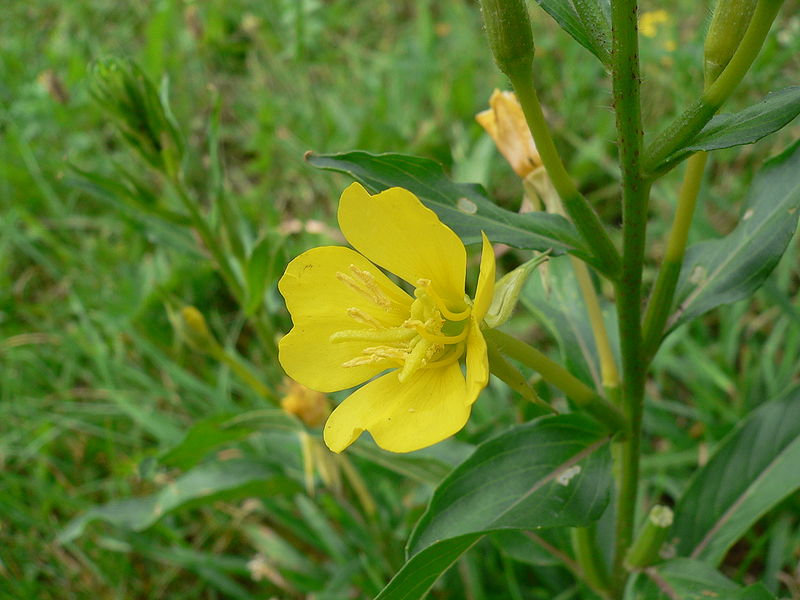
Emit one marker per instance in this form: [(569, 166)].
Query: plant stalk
[(635, 193), (687, 125), (660, 303), (555, 374), (576, 205)]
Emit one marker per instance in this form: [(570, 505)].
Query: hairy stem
[(635, 193)]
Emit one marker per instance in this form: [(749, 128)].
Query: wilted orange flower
[(505, 122)]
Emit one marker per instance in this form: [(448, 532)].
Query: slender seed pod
[(508, 28), (728, 25)]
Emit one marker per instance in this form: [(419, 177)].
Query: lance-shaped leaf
[(774, 112), (587, 21), (560, 308), (722, 271), (202, 485), (553, 471), (753, 469), (684, 579), (464, 207)]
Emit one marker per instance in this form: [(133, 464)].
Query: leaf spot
[(568, 475), (466, 205), (698, 275), (792, 210)]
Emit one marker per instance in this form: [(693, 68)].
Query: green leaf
[(262, 270), (559, 307), (752, 470), (211, 433), (728, 269), (466, 208), (684, 579), (205, 484), (553, 471), (775, 111), (587, 21)]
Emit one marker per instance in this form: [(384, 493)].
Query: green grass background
[(92, 379)]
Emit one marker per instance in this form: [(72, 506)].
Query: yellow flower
[(308, 405), (650, 20), (505, 123), (353, 323)]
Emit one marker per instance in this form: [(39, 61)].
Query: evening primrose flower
[(353, 324), (505, 122)]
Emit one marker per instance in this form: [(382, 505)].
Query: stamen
[(425, 284), (396, 334), (368, 279), (364, 283), (359, 315), (414, 361)]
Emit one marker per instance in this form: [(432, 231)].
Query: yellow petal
[(395, 231), (429, 407), (485, 289), (318, 300), (505, 123), (477, 362)]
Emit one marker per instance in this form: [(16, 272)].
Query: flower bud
[(508, 28), (142, 116), (194, 330), (728, 25), (507, 291)]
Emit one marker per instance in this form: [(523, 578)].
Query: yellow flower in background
[(352, 323), (310, 406), (505, 122), (650, 20)]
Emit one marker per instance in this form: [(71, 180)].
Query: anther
[(362, 317), (364, 283)]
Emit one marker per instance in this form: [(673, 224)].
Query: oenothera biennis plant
[(424, 352)]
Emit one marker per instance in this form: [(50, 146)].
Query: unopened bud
[(507, 291), (141, 114), (728, 25), (195, 330), (508, 28)]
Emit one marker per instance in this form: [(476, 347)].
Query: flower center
[(433, 336)]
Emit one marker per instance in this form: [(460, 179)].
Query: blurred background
[(100, 380)]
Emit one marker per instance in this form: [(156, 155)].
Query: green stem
[(664, 290), (209, 240), (511, 376), (694, 118), (589, 557), (553, 373), (576, 205), (242, 371), (635, 193)]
